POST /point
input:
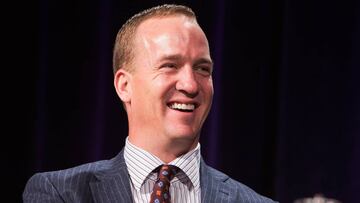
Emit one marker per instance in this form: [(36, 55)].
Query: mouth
[(183, 107)]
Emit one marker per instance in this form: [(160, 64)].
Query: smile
[(182, 107)]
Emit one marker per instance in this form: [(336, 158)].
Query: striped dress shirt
[(185, 186)]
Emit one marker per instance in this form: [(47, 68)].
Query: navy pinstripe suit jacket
[(108, 181)]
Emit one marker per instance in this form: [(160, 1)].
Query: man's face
[(171, 86)]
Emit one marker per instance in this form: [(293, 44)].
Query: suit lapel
[(112, 184), (212, 183)]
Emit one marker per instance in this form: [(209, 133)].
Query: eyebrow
[(204, 60), (177, 57)]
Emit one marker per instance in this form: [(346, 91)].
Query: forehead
[(174, 25), (171, 31), (171, 20)]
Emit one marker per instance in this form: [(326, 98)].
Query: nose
[(187, 83)]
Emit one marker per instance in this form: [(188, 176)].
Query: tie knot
[(167, 172), (161, 193)]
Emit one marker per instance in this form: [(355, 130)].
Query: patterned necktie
[(161, 192)]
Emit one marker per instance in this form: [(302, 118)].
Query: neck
[(167, 149)]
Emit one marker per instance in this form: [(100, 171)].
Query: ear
[(122, 85)]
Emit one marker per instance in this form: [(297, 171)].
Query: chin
[(183, 133)]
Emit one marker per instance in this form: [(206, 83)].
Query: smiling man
[(163, 76), (167, 87)]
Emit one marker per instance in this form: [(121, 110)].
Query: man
[(162, 74)]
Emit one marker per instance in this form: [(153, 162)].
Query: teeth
[(182, 106)]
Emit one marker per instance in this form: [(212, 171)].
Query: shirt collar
[(141, 163)]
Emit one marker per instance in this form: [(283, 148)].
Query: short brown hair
[(122, 53)]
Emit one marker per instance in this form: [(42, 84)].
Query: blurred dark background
[(286, 113)]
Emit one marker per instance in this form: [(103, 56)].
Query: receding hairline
[(162, 10), (128, 30)]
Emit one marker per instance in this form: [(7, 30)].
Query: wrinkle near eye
[(157, 72)]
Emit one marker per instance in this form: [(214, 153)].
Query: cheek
[(163, 85), (208, 89), (141, 92)]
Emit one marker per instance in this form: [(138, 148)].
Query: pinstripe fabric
[(108, 181), (218, 187), (94, 182), (185, 186)]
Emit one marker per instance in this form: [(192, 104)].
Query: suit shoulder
[(85, 171), (67, 184), (243, 192), (61, 185), (69, 173)]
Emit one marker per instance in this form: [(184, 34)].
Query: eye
[(169, 65), (204, 70)]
